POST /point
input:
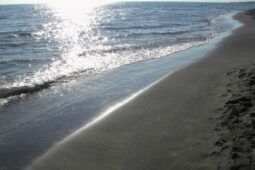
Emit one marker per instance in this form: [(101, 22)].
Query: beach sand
[(196, 118)]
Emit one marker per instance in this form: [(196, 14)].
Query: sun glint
[(72, 5)]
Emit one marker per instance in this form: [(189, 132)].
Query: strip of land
[(179, 123)]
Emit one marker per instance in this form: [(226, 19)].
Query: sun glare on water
[(72, 5), (72, 31)]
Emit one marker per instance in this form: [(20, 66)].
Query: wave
[(24, 34), (208, 20), (14, 45), (136, 47), (16, 61), (82, 52), (160, 33), (116, 48), (3, 17), (15, 91), (146, 27), (68, 68), (145, 34), (4, 101), (16, 34), (31, 87)]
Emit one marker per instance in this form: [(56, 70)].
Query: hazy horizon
[(105, 1)]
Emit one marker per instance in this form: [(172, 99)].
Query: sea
[(62, 65), (41, 45)]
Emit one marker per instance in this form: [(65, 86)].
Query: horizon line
[(128, 1)]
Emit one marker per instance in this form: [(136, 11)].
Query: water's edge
[(45, 119), (200, 52)]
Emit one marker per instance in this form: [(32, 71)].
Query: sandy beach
[(199, 117)]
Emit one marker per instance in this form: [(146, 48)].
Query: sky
[(89, 1)]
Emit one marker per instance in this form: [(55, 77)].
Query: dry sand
[(179, 123)]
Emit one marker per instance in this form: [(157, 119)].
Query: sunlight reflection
[(76, 3), (75, 6), (91, 37)]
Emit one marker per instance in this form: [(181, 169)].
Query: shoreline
[(10, 94), (73, 104), (53, 121), (164, 133)]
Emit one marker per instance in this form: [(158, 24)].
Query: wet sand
[(176, 124)]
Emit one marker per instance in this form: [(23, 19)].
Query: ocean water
[(41, 45), (82, 61)]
